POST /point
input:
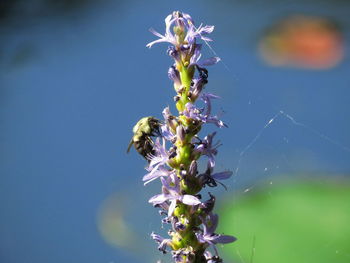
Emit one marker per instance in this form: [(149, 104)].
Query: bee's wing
[(129, 146)]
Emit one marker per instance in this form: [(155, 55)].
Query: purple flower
[(206, 147), (209, 61), (171, 120), (168, 36), (181, 254), (206, 97), (174, 75), (160, 158), (193, 169), (195, 59), (197, 87), (180, 133), (210, 179), (160, 172), (185, 23), (177, 225), (166, 113), (174, 53), (215, 120), (209, 237), (166, 133), (194, 113), (172, 194), (163, 243), (175, 17), (199, 32)]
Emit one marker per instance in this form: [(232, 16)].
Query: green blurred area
[(292, 221)]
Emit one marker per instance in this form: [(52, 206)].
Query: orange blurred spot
[(303, 41)]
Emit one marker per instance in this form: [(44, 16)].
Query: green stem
[(186, 76)]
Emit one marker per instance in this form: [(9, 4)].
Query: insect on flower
[(143, 131), (192, 221)]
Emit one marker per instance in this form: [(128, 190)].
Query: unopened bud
[(180, 133), (193, 168), (174, 75)]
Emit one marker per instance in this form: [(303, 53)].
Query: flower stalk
[(192, 220)]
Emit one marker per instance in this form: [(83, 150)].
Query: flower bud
[(192, 171), (174, 75), (180, 133)]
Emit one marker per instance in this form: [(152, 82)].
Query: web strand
[(281, 112), (255, 139), (294, 122), (213, 51), (321, 135), (242, 154)]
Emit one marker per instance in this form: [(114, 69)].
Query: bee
[(143, 131)]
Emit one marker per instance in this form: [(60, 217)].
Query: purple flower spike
[(173, 147)]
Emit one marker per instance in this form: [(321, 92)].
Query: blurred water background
[(75, 76)]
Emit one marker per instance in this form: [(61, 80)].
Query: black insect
[(143, 131)]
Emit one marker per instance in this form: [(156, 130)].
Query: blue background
[(74, 79)]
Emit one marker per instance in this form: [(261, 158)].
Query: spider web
[(278, 115), (243, 153)]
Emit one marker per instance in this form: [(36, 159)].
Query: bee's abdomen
[(144, 146)]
